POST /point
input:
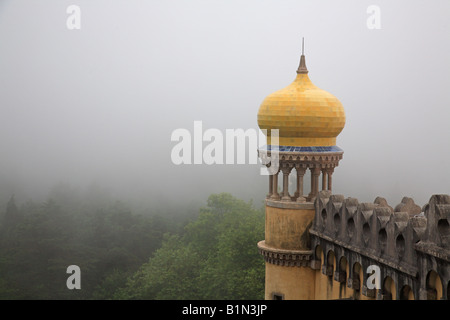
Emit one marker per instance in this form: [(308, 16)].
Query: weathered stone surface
[(381, 202), (408, 205), (406, 243)]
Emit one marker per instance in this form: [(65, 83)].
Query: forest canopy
[(125, 255)]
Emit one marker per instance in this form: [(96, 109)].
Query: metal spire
[(303, 46), (302, 67)]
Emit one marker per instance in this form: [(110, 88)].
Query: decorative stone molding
[(290, 205), (323, 159), (406, 245), (289, 258)]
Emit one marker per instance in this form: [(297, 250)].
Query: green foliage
[(108, 243), (123, 255), (215, 258), (168, 273)]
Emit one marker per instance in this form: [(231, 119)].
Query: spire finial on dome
[(302, 67), (303, 46)]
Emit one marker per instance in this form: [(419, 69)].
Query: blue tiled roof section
[(302, 149)]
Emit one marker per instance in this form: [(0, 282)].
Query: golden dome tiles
[(304, 114)]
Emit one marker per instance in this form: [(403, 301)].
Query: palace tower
[(319, 245), (308, 119)]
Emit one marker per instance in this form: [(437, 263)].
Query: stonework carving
[(406, 245), (289, 258), (408, 205)]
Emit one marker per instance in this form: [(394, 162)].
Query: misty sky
[(98, 105)]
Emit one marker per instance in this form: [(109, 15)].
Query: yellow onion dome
[(304, 114)]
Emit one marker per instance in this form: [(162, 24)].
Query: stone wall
[(410, 245)]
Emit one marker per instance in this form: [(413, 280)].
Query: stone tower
[(322, 246), (308, 119)]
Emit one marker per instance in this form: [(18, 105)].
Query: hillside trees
[(215, 257), (124, 255)]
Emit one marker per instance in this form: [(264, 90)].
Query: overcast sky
[(99, 104)]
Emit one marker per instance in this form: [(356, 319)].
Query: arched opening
[(343, 270), (444, 230), (366, 233), (382, 240), (400, 245), (357, 277), (330, 264), (433, 286), (292, 185), (341, 277), (388, 292), (324, 217), (448, 290), (337, 223), (406, 293), (318, 256), (351, 228)]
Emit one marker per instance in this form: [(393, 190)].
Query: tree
[(12, 213), (215, 258), (170, 274)]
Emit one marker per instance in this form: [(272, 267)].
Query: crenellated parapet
[(436, 236), (407, 243)]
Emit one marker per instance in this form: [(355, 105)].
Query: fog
[(97, 106)]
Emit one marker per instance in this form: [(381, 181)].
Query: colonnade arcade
[(320, 166)]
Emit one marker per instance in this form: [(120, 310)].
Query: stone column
[(316, 181), (330, 173), (270, 186), (300, 174), (286, 169), (310, 195), (275, 195), (315, 172), (324, 179)]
